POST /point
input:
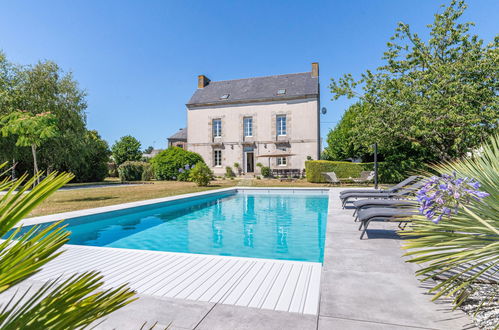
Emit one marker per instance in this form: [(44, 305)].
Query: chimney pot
[(315, 69), (203, 81)]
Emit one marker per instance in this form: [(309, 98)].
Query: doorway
[(250, 161)]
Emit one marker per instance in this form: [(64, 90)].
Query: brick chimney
[(315, 69), (203, 81)]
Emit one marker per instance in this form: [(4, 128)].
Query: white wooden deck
[(261, 283)]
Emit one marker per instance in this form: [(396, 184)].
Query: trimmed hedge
[(314, 168)]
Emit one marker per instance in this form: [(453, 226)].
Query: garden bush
[(265, 171), (112, 170), (174, 163), (147, 173), (201, 174), (314, 168), (229, 173), (133, 171)]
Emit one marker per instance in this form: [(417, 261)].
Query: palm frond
[(72, 303), (463, 249)]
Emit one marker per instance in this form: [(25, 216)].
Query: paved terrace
[(364, 285)]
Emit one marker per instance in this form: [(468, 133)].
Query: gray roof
[(297, 85), (180, 135)]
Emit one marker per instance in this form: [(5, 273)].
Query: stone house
[(272, 120)]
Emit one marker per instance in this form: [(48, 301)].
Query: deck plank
[(261, 283)]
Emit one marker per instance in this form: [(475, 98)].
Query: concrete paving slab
[(226, 317), (331, 323), (361, 260), (180, 314), (367, 283)]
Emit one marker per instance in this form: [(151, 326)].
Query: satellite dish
[(324, 110)]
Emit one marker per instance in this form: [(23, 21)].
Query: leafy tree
[(41, 88), (95, 156), (31, 130), (201, 174), (341, 141), (174, 163), (59, 304), (432, 100), (148, 150), (126, 148)]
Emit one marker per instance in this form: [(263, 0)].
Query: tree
[(41, 88), (59, 304), (31, 130), (341, 141), (148, 150), (95, 156), (432, 100), (126, 148)]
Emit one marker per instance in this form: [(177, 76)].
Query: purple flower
[(186, 167), (181, 170), (442, 195)]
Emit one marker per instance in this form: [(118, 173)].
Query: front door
[(250, 162)]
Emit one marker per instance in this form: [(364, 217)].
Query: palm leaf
[(73, 303), (464, 249)]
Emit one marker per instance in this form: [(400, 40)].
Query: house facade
[(270, 120), (179, 139)]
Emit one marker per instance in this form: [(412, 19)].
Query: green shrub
[(174, 163), (259, 165), (265, 171), (147, 173), (201, 174), (112, 170), (314, 168), (229, 173), (132, 171)]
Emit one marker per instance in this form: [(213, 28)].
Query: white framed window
[(281, 125), (217, 127), (282, 161), (217, 157), (248, 126)]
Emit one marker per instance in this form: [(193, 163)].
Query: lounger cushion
[(383, 202), (349, 191), (385, 212), (368, 195)]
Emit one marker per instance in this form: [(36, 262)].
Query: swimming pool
[(241, 223)]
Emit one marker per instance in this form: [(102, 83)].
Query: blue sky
[(138, 60)]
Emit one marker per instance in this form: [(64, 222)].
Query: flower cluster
[(185, 168), (442, 195)]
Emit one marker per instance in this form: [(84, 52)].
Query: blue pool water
[(257, 225)]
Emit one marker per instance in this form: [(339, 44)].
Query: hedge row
[(314, 169)]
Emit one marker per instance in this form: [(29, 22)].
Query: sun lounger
[(393, 203), (366, 216), (331, 178), (365, 176), (394, 188), (401, 194)]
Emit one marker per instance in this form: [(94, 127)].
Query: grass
[(80, 199), (72, 200)]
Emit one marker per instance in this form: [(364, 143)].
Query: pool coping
[(116, 207)]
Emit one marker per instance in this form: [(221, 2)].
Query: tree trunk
[(33, 151)]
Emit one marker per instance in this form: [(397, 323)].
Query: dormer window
[(281, 91), (224, 97)]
